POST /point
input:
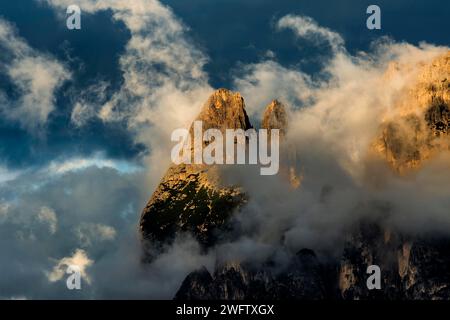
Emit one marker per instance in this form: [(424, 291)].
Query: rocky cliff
[(413, 268), (303, 278), (418, 129), (191, 199)]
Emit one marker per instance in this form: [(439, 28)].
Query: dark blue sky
[(229, 32), (232, 30)]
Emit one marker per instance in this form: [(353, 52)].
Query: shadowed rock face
[(303, 278), (426, 274), (437, 118), (197, 286), (411, 268), (369, 245)]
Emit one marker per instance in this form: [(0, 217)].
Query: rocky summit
[(191, 198)]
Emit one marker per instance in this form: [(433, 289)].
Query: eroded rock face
[(197, 286), (420, 129), (370, 245), (437, 118), (224, 110), (411, 268)]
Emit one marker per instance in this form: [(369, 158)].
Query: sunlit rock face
[(275, 117), (224, 110), (415, 130), (417, 127), (190, 197)]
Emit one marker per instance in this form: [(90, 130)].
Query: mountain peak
[(224, 109)]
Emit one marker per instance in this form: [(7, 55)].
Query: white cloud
[(164, 87), (331, 131), (262, 82), (48, 216), (58, 167), (164, 81), (89, 233), (36, 75), (306, 27), (79, 259), (7, 175), (15, 298), (4, 211), (81, 113), (86, 102)]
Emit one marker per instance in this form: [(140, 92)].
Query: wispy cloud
[(164, 81), (98, 160), (308, 28), (36, 77), (48, 216)]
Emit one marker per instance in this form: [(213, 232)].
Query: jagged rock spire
[(275, 117), (189, 199), (224, 110)]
